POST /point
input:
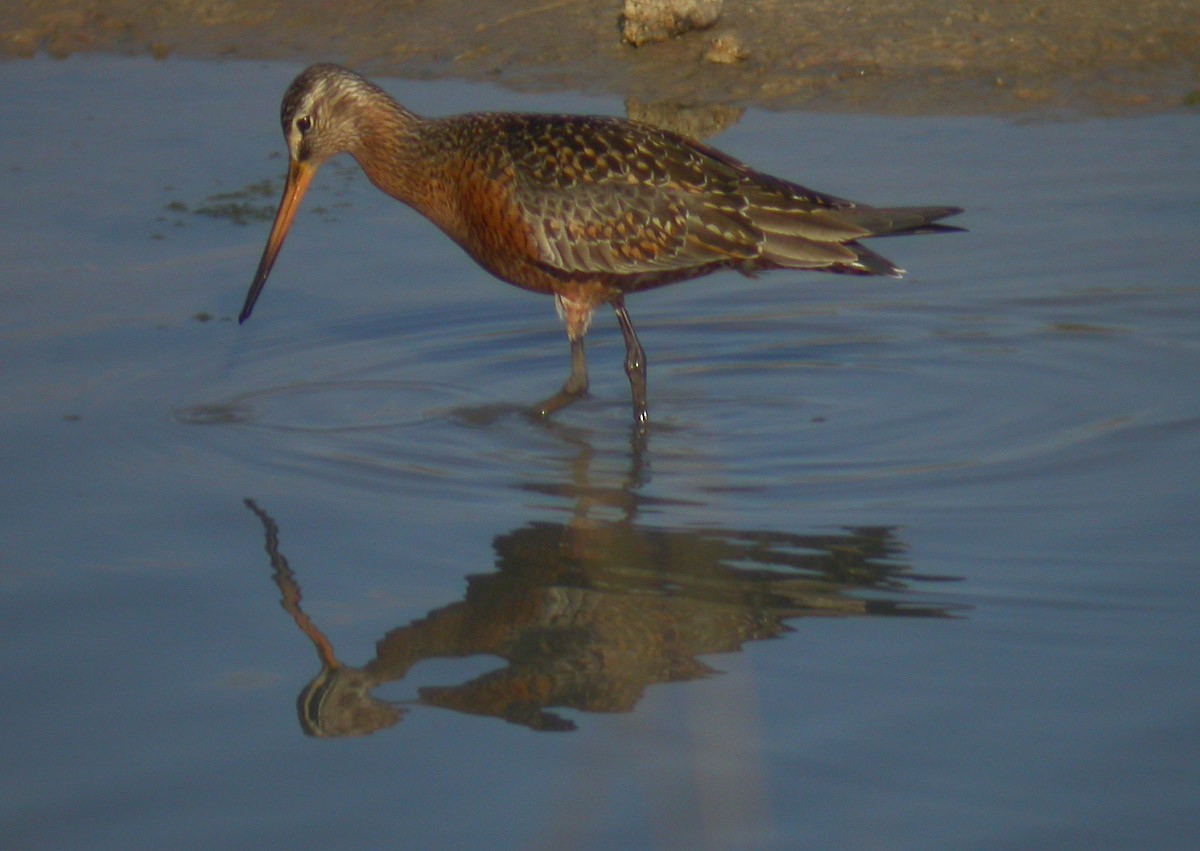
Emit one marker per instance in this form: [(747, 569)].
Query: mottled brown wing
[(613, 197)]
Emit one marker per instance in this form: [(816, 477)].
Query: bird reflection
[(586, 614)]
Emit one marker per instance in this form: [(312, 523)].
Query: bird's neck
[(388, 148)]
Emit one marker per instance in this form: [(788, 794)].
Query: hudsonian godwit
[(583, 208)]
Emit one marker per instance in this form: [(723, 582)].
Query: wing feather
[(602, 196)]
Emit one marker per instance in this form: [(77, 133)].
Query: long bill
[(298, 177)]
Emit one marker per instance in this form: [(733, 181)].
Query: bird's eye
[(304, 123)]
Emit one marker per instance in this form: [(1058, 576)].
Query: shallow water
[(963, 504)]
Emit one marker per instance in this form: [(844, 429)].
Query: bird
[(587, 209)]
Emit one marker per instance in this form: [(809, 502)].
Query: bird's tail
[(900, 221)]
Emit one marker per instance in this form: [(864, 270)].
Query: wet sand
[(889, 56)]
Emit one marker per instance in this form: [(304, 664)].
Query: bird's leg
[(575, 386), (635, 365), (577, 317)]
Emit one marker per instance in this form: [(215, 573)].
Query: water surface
[(901, 564)]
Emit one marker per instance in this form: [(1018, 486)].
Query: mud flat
[(890, 56)]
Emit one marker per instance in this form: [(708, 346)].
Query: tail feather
[(869, 263), (889, 221), (922, 229), (791, 241), (797, 252)]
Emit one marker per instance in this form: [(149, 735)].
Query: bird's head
[(320, 116)]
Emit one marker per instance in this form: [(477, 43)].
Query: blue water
[(900, 564)]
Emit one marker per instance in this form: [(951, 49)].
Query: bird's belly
[(519, 270)]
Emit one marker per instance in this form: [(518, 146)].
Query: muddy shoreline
[(919, 57)]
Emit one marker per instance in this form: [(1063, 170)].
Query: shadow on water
[(588, 613)]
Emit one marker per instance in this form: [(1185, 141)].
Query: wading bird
[(586, 209)]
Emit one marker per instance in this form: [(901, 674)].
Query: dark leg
[(575, 386), (635, 366), (577, 316)]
